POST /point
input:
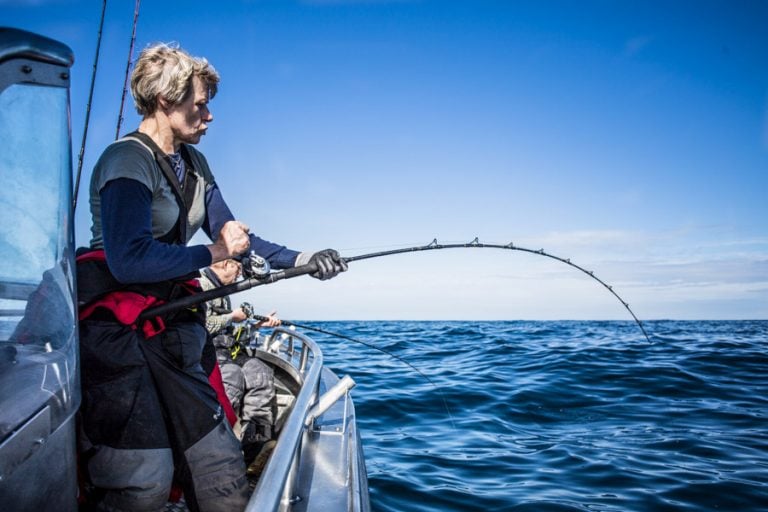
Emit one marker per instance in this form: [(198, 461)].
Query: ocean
[(560, 416)]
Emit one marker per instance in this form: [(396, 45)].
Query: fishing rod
[(369, 345), (127, 69), (88, 109), (222, 291), (309, 268)]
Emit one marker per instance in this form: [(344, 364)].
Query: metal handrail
[(274, 482)]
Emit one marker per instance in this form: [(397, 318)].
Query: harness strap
[(189, 187), (181, 191)]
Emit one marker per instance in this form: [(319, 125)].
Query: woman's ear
[(163, 104)]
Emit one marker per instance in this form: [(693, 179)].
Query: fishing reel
[(254, 266), (247, 309)]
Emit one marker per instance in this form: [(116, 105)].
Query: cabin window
[(38, 343)]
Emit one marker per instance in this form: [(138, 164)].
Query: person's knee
[(258, 375), (218, 471), (137, 480), (136, 500)]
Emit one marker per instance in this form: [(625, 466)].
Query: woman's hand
[(233, 241)]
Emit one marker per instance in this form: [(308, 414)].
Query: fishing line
[(310, 268), (88, 109), (369, 345)]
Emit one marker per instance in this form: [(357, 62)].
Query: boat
[(318, 461)]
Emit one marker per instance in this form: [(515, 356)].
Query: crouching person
[(249, 382)]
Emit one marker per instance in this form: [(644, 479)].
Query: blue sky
[(631, 137)]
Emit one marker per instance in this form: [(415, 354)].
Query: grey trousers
[(148, 409), (250, 388)]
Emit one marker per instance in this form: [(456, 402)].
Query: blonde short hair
[(167, 70)]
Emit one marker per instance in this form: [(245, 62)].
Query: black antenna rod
[(88, 110), (127, 69)]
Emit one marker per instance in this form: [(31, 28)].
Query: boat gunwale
[(274, 483)]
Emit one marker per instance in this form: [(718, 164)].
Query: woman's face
[(189, 119)]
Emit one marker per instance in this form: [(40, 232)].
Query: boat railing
[(277, 481)]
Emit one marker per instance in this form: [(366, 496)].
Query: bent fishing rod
[(310, 268)]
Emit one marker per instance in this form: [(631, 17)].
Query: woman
[(147, 406)]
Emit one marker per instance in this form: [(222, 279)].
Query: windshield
[(38, 348), (31, 195)]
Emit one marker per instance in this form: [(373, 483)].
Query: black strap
[(183, 198), (189, 186)]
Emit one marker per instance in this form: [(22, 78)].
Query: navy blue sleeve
[(217, 213), (277, 255), (133, 255)]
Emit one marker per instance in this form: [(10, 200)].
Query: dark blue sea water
[(560, 416)]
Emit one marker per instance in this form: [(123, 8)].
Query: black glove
[(329, 263)]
